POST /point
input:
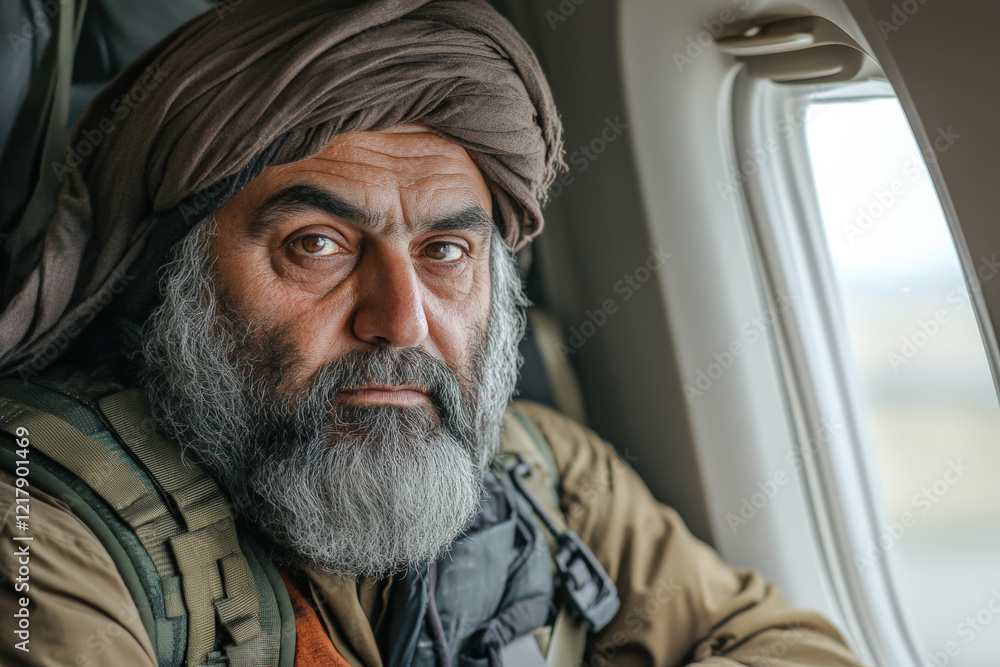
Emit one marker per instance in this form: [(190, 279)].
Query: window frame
[(814, 354)]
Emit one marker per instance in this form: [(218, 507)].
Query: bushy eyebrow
[(303, 198), (473, 219), (298, 199)]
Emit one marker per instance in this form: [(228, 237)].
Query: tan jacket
[(681, 604)]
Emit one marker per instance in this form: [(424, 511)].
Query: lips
[(381, 393)]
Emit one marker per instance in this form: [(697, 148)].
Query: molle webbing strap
[(215, 574), (568, 639), (522, 437), (198, 497), (105, 473), (40, 427), (135, 502)]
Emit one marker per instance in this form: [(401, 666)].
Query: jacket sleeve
[(680, 603), (79, 611)]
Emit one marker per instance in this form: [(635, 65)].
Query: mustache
[(448, 390)]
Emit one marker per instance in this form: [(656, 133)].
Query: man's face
[(337, 345), (381, 239)]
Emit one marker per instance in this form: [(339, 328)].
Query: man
[(306, 228)]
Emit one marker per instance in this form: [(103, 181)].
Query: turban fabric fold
[(266, 82)]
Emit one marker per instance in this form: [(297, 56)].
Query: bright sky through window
[(930, 406)]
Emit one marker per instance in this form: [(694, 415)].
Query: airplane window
[(925, 401)]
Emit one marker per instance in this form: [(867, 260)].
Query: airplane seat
[(547, 376)]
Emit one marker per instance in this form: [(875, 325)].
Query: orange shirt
[(313, 647)]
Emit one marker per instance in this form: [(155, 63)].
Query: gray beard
[(355, 490)]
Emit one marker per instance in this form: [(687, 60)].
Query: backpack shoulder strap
[(206, 568), (215, 574), (68, 459), (522, 438)]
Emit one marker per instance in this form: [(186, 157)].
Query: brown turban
[(269, 82)]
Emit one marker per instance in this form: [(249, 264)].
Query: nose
[(390, 307)]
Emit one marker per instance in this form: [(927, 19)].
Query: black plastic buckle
[(583, 584), (588, 589)]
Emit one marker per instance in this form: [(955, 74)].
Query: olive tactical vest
[(209, 596)]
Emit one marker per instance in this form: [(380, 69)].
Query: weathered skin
[(395, 283)]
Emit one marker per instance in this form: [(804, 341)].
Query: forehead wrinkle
[(454, 157), (387, 185), (432, 187), (402, 145), (382, 176)]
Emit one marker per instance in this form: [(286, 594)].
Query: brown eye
[(316, 246), (444, 252)]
